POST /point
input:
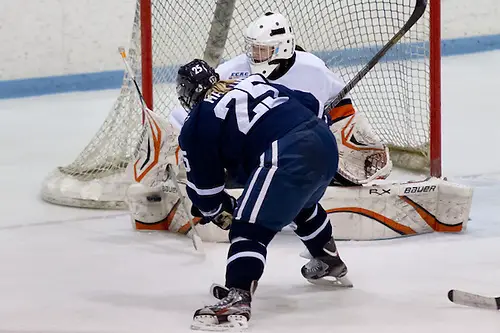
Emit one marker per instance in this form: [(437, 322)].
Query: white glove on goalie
[(362, 155)]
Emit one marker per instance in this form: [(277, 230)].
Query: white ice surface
[(86, 271)]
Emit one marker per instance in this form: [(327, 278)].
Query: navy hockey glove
[(222, 218)]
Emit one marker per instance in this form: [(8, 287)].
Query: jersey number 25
[(250, 100)]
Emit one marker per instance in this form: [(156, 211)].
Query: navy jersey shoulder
[(306, 99)]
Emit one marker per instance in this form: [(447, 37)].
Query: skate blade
[(330, 281), (234, 323)]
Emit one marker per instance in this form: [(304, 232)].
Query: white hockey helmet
[(268, 40)]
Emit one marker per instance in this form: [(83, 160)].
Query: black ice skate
[(328, 269), (231, 313)]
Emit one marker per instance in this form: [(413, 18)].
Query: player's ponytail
[(221, 87)]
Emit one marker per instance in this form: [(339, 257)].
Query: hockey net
[(400, 96)]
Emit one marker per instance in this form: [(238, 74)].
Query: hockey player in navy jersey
[(275, 141)]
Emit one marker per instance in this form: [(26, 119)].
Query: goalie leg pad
[(390, 210), (151, 209), (159, 209)]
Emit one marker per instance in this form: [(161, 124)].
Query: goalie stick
[(195, 237), (418, 11), (197, 242), (473, 300)]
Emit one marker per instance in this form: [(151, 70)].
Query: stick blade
[(473, 300), (198, 243)]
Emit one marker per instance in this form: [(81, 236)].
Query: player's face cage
[(262, 52)]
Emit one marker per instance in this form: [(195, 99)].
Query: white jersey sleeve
[(328, 84), (235, 68), (334, 84), (177, 117), (309, 73)]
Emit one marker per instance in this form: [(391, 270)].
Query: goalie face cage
[(400, 95)]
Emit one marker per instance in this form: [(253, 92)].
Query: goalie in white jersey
[(272, 52)]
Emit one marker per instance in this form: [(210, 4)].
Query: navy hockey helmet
[(194, 79)]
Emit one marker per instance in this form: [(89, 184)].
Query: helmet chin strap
[(281, 68), (265, 68)]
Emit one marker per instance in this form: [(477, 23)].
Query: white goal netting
[(344, 33)]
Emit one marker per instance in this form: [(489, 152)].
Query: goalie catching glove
[(363, 156), (221, 217)]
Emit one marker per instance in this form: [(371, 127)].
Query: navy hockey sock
[(247, 254), (314, 229)]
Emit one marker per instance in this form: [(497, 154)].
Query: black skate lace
[(232, 297), (314, 265)]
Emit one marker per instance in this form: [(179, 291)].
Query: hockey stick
[(195, 237), (418, 11), (132, 76), (473, 300)]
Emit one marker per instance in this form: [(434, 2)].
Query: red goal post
[(435, 164)]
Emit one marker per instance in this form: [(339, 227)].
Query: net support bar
[(435, 88), (147, 52)]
